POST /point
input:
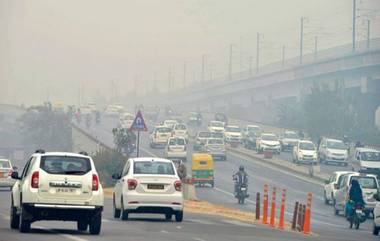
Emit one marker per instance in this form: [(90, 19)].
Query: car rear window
[(204, 134), (177, 142), (163, 130), (180, 127), (4, 164), (153, 167), (366, 182), (65, 165)]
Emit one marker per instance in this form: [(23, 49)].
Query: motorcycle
[(357, 216), (242, 194)]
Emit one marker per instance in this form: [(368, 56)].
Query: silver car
[(6, 170)]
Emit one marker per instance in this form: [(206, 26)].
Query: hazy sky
[(51, 47)]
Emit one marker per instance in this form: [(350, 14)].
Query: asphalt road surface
[(324, 223)]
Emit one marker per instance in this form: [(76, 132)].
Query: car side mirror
[(15, 176), (116, 176)]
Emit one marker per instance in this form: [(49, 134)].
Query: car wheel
[(375, 230), (179, 216), (24, 225), (124, 213), (15, 218), (96, 223), (336, 211), (82, 225), (325, 197), (168, 216), (116, 212)]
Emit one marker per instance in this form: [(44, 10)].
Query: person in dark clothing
[(240, 177), (356, 193)]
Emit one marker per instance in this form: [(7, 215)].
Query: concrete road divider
[(189, 192)]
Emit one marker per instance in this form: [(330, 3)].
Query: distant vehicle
[(180, 130), (250, 135), (215, 147), (59, 106), (194, 119), (222, 118), (332, 151), (86, 110), (200, 140), (170, 123), (218, 135), (57, 186), (148, 185), (160, 136), (288, 140), (366, 160), (367, 182), (176, 148), (232, 134), (113, 110), (92, 106), (305, 152), (331, 184), (268, 141), (216, 126), (126, 120), (6, 171)]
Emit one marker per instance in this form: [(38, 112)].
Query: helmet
[(241, 168)]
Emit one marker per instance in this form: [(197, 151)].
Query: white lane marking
[(104, 220), (164, 231), (198, 239), (67, 236), (178, 227), (150, 153), (231, 194), (238, 223), (201, 221), (6, 217)]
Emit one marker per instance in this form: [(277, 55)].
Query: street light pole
[(230, 64), (257, 52), (315, 47), (353, 25), (203, 67), (368, 32), (301, 40)]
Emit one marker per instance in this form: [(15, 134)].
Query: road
[(324, 222)]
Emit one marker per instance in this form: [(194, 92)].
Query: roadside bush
[(108, 162)]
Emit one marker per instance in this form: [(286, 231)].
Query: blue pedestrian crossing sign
[(139, 123)]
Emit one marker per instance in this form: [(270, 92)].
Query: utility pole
[(203, 68), (315, 47), (241, 56), (353, 25), (301, 40), (283, 56), (368, 32), (230, 64), (250, 65), (257, 52), (184, 74)]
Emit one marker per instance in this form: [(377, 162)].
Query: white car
[(305, 152), (216, 126), (148, 185), (269, 142), (216, 148), (332, 151), (112, 111), (6, 171), (288, 140), (126, 120), (180, 130), (57, 186), (176, 148), (170, 123), (160, 136), (330, 186), (368, 184), (232, 134), (376, 217), (366, 160)]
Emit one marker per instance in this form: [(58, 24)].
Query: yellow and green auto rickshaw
[(202, 167)]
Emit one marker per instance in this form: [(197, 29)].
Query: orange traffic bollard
[(265, 205), (258, 206), (282, 210), (306, 225), (273, 208)]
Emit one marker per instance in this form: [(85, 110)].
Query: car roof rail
[(83, 153), (40, 151)]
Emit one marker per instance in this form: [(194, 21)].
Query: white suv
[(57, 186), (148, 185), (176, 148), (160, 136)]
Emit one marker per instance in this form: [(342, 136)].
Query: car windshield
[(217, 135), (233, 129), (366, 182), (370, 156), (65, 165), (253, 129), (180, 127), (177, 142), (204, 134), (215, 141), (291, 135), (269, 137), (216, 124), (163, 130), (153, 167), (170, 122), (4, 164), (307, 146), (339, 145)]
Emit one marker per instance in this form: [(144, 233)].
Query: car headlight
[(300, 154)]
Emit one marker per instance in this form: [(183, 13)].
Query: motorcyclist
[(355, 197), (240, 177)]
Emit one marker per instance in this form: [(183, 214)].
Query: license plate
[(359, 211), (155, 186), (65, 190), (243, 188)]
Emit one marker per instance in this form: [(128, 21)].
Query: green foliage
[(41, 127), (108, 162)]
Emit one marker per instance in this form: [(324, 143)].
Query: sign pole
[(138, 144)]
